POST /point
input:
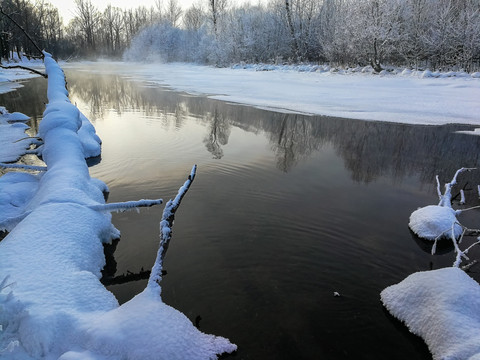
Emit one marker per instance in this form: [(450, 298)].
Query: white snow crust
[(52, 304), (442, 306)]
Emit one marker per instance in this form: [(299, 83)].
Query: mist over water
[(286, 209)]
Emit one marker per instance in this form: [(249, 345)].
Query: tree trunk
[(292, 30)]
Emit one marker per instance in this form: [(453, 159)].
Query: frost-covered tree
[(416, 33)]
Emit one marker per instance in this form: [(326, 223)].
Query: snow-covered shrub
[(436, 221)]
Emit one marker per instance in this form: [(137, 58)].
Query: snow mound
[(11, 117), (13, 141), (434, 221), (16, 191), (442, 307), (145, 328)]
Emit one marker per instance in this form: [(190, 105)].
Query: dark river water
[(285, 210)]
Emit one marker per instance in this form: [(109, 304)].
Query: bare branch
[(24, 68), (23, 30), (24, 167)]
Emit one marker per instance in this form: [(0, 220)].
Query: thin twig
[(23, 30), (25, 68), (22, 166), (467, 209), (29, 137)]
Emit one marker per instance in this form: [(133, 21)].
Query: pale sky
[(67, 7)]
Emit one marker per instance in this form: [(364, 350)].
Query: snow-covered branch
[(166, 225), (24, 68), (446, 198), (124, 206)]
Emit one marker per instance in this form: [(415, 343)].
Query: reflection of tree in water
[(373, 149), (29, 100), (104, 92), (218, 133), (292, 139), (369, 149)]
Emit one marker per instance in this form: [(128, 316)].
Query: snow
[(151, 330), (12, 129), (441, 306), (407, 97), (434, 221), (52, 304), (9, 78)]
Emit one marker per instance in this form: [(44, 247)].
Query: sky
[(67, 7)]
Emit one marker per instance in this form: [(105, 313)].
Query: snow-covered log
[(54, 304)]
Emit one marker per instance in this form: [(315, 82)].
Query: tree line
[(439, 34)]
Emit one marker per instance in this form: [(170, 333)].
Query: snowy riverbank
[(406, 97), (10, 79)]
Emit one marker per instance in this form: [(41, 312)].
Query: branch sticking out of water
[(166, 225), (124, 206), (24, 68), (446, 198)]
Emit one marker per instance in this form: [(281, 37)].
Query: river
[(286, 209)]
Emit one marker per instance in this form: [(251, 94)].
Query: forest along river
[(286, 210)]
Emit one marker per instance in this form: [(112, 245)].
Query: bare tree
[(217, 9), (87, 19), (174, 12), (193, 18)]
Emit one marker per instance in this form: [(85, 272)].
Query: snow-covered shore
[(9, 78), (405, 97)]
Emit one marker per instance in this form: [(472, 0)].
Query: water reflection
[(29, 100), (369, 149), (218, 133)]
